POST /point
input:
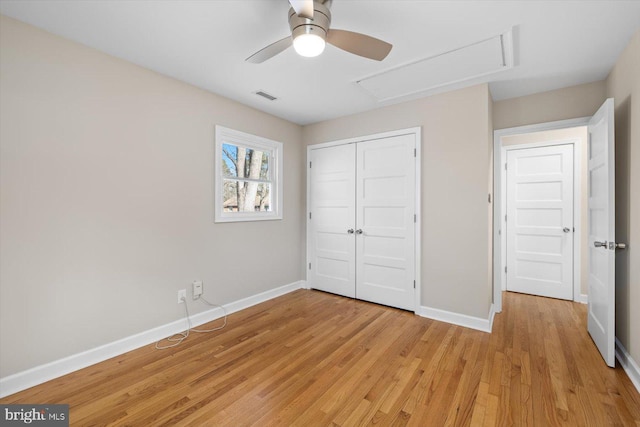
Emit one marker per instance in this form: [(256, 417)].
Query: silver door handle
[(614, 245), (566, 229), (600, 244), (359, 231), (350, 231)]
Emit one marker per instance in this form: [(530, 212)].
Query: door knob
[(614, 245), (566, 229), (350, 231), (600, 244), (359, 231)]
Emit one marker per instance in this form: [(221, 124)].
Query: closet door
[(385, 222), (331, 226)]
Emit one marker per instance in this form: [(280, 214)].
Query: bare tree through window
[(246, 179)]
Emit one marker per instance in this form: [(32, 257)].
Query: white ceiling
[(557, 44)]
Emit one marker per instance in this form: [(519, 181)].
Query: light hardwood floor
[(310, 358)]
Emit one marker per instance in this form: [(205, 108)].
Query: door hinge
[(309, 215), (505, 268), (415, 152), (310, 165), (309, 266), (505, 166), (489, 198), (415, 218), (414, 284), (505, 218)]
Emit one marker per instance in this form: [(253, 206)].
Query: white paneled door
[(540, 221), (385, 221), (332, 209), (601, 226), (362, 220)]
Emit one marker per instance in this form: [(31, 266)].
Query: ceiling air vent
[(265, 95)]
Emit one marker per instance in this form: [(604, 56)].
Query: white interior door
[(332, 206), (385, 221), (601, 226), (540, 221)]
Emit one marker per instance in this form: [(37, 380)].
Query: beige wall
[(568, 103), (580, 134), (107, 200), (623, 84), (455, 218)]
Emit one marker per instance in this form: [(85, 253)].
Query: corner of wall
[(477, 323)]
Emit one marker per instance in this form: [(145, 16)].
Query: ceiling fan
[(309, 21)]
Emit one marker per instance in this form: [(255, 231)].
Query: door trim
[(499, 205), (417, 132)]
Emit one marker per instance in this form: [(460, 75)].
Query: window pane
[(243, 162), (245, 196), (230, 203), (229, 160), (264, 167)]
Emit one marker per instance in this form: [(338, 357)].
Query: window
[(248, 180)]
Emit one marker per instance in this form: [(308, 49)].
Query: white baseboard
[(40, 374), (628, 364), (582, 299), (477, 323)]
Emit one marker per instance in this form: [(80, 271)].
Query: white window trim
[(231, 136)]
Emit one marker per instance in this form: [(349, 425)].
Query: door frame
[(499, 205), (417, 132)]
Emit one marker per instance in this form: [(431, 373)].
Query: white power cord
[(177, 339)]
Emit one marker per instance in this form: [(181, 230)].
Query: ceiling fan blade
[(270, 51), (303, 8), (359, 44)]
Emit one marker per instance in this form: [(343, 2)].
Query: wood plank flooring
[(310, 358)]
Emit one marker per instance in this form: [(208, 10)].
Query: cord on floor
[(178, 338)]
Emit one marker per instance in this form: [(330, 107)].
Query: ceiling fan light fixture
[(309, 45), (309, 21)]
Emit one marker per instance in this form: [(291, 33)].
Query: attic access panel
[(466, 63)]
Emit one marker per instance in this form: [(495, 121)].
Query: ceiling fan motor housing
[(319, 25)]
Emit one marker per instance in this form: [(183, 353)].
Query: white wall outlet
[(197, 289), (182, 296)]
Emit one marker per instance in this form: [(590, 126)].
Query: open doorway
[(600, 242), (542, 246)]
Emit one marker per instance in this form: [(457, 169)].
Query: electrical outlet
[(182, 295), (197, 288)]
